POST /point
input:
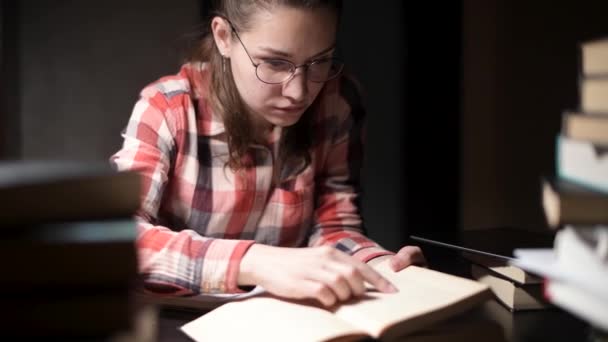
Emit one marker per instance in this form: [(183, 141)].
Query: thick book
[(593, 95), (565, 202), (513, 295), (59, 256), (594, 57), (493, 248), (586, 127), (43, 191), (502, 268), (583, 162), (425, 297)]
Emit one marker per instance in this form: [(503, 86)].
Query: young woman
[(247, 153)]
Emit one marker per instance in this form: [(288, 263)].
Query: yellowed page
[(268, 319), (424, 297)]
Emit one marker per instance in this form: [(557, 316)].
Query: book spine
[(571, 157)]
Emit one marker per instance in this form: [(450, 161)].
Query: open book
[(424, 297)]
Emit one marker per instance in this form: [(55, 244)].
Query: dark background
[(464, 99)]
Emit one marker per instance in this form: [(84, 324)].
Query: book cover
[(594, 57), (502, 268), (593, 95), (582, 162), (44, 191), (569, 203), (74, 254), (515, 296), (586, 127)]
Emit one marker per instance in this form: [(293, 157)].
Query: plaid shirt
[(198, 218)]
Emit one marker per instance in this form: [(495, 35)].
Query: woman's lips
[(290, 109)]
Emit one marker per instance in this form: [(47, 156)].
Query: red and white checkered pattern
[(198, 218)]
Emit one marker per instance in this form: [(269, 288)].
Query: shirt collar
[(199, 77)]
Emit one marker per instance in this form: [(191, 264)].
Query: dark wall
[(10, 137), (408, 57), (410, 67), (520, 74), (432, 118), (379, 66), (80, 66)]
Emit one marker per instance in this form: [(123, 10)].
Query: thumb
[(395, 263)]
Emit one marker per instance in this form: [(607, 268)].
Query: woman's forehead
[(297, 31)]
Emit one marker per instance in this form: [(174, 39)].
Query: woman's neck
[(262, 129)]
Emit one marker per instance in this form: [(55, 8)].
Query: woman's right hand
[(322, 273)]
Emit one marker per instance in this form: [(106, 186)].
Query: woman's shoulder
[(342, 99), (188, 82), (172, 99)]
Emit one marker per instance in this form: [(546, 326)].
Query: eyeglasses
[(275, 71)]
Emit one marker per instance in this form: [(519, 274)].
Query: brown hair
[(224, 96)]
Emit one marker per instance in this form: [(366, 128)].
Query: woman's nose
[(297, 87)]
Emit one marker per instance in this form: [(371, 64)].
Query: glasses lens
[(325, 69), (274, 71)]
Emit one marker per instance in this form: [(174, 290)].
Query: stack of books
[(69, 259), (576, 201), (489, 253), (514, 288), (579, 193)]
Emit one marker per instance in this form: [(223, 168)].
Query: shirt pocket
[(295, 192), (289, 213), (290, 198)]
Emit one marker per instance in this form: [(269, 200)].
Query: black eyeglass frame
[(294, 68)]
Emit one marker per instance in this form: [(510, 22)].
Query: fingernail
[(390, 288)]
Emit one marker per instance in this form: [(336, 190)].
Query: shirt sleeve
[(171, 262), (337, 219)]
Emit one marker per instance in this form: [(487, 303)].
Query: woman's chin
[(284, 119)]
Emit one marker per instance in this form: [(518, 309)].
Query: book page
[(545, 263), (424, 297), (272, 319)]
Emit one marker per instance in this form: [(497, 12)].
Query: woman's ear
[(222, 34)]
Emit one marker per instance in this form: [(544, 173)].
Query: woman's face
[(293, 34)]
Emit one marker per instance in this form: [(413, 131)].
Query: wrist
[(251, 264), (246, 270), (379, 259)]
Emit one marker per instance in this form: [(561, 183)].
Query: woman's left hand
[(408, 255)]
